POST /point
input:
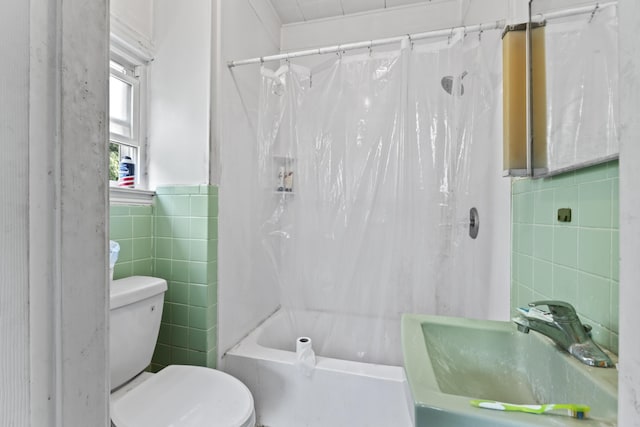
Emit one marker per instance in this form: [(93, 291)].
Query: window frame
[(130, 77), (130, 51)]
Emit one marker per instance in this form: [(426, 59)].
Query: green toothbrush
[(576, 411)]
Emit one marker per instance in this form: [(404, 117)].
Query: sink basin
[(450, 361)]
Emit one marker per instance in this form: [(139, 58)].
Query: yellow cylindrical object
[(515, 102)]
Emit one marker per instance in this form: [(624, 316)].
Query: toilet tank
[(134, 321)]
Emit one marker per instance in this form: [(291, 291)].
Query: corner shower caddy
[(284, 184)]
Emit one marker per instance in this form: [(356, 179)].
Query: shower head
[(447, 83)]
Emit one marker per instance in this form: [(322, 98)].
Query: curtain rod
[(576, 11), (411, 37), (366, 44)]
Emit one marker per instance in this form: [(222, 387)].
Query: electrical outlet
[(564, 215)]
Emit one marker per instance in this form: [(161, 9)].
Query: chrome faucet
[(562, 325)]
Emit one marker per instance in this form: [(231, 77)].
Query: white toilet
[(177, 396)]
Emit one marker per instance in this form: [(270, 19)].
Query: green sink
[(450, 361)]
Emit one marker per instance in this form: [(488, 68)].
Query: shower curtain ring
[(480, 33), (410, 41), (370, 47), (450, 36), (593, 13)]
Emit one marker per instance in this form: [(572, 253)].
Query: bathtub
[(351, 385)]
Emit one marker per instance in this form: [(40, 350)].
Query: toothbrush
[(576, 411)]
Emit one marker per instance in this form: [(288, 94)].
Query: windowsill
[(130, 196)]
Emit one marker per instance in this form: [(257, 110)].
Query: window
[(125, 119), (131, 54)]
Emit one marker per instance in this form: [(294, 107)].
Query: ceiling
[(305, 10)]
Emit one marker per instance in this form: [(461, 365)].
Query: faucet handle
[(557, 308)]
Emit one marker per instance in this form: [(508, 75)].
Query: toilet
[(177, 396)]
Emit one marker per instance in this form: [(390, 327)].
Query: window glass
[(124, 121), (120, 107)]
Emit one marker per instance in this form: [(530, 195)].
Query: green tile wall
[(132, 228), (577, 261), (185, 245)]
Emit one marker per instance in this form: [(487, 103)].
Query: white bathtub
[(352, 385)]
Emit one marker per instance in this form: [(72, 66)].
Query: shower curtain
[(366, 166)]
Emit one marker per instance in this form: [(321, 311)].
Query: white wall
[(391, 22), (179, 93), (246, 294), (541, 6), (413, 19), (14, 277), (629, 377), (136, 14)]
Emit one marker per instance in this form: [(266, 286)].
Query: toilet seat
[(186, 396)]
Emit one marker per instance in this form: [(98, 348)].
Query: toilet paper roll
[(303, 343), (306, 358)]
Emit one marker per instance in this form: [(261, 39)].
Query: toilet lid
[(185, 396)]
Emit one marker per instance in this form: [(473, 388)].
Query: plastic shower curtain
[(365, 163)]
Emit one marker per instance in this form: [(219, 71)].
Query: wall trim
[(124, 39), (130, 196)]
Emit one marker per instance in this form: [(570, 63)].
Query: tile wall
[(176, 239), (132, 228), (573, 261), (185, 254)]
